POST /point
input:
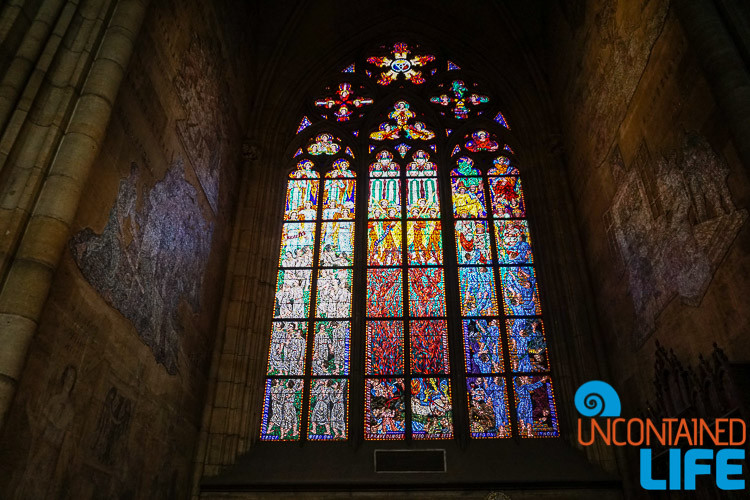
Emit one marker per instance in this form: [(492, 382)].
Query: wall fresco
[(672, 221), (147, 260)]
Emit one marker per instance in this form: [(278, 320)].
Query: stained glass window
[(345, 102), (370, 334), (401, 60), (458, 99), (504, 274), (307, 375), (405, 281)]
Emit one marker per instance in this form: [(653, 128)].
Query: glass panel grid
[(521, 334), (309, 406)]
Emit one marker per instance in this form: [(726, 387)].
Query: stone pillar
[(231, 413), (723, 67), (86, 70)]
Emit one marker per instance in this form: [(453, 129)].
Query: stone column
[(105, 31), (723, 67)]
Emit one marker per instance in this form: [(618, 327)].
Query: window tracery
[(416, 287)]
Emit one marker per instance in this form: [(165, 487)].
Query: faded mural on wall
[(50, 420), (147, 260), (204, 94), (672, 221)]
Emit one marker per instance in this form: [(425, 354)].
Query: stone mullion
[(36, 127), (36, 87), (250, 329), (228, 340), (18, 72), (242, 316), (265, 209), (26, 285), (16, 15)]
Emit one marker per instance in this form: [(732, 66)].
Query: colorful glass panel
[(535, 406), (424, 242), (465, 167), (348, 69), (481, 141), (509, 149), (297, 243), (331, 348), (428, 346), (399, 63), (426, 292), (459, 100), (502, 166), (513, 242), (507, 197), (468, 197), (385, 409), (328, 409), (385, 199), (384, 165), (384, 243), (418, 131), (334, 293), (528, 346), (339, 196), (301, 200), (303, 124), (292, 293), (299, 152), (343, 103), (337, 244), (453, 66), (304, 170), (422, 201), (421, 166), (483, 350), (477, 287), (286, 355), (520, 295), (384, 293), (431, 408), (323, 144), (385, 348), (473, 242), (402, 115), (499, 118), (282, 408), (403, 149), (488, 408)]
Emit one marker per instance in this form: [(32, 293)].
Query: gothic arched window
[(406, 304)]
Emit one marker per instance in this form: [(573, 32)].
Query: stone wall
[(661, 193), (110, 400)]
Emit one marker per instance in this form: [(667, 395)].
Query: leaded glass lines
[(407, 287), (502, 351), (406, 306), (307, 384)]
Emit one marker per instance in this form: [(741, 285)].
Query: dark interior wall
[(660, 193), (110, 402)]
